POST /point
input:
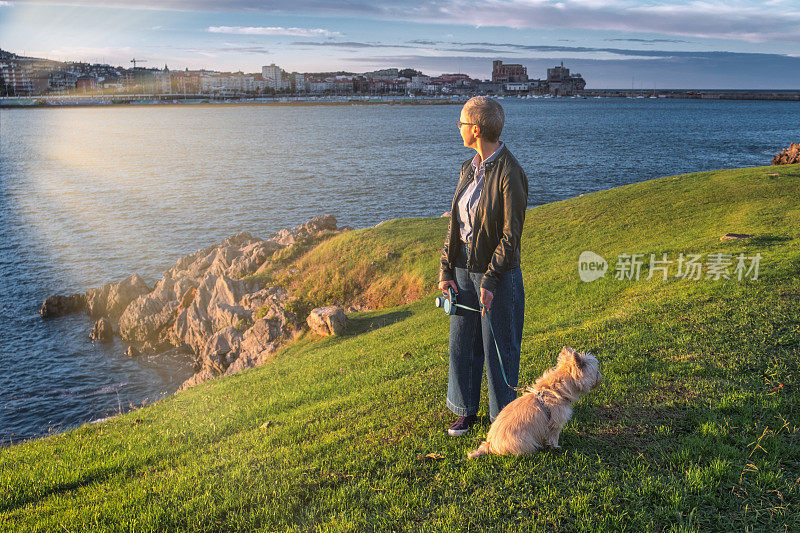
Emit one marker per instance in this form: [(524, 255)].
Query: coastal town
[(29, 76), (31, 81)]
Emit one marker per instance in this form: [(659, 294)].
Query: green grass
[(695, 427), (384, 266)]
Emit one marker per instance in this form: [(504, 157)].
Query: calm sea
[(91, 195)]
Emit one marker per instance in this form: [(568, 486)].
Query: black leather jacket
[(499, 217)]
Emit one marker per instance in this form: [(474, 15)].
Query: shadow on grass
[(632, 427), (97, 476), (768, 240), (362, 324), (90, 477), (103, 474)]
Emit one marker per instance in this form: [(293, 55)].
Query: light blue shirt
[(468, 201)]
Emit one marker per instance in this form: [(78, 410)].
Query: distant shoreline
[(156, 101), (697, 94), (19, 102)]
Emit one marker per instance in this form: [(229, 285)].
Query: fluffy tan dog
[(535, 419)]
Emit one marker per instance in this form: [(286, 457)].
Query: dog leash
[(496, 347)]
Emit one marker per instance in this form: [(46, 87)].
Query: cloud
[(479, 47), (70, 52), (560, 49), (342, 44), (242, 49), (417, 44), (272, 30), (695, 70), (211, 51), (359, 45), (490, 51), (3, 3), (647, 41), (775, 20), (425, 42), (509, 51)]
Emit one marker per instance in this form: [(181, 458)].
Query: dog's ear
[(569, 357), (566, 357), (579, 362)]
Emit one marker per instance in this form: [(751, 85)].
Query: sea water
[(92, 195)]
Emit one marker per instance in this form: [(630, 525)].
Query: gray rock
[(231, 258), (157, 346), (221, 350), (259, 337), (258, 345), (197, 379), (97, 300), (132, 352), (193, 327), (789, 156), (147, 318), (252, 257), (315, 226), (59, 305), (216, 305), (200, 303), (329, 320), (274, 296), (250, 359), (102, 331), (270, 304), (120, 295), (320, 223), (111, 299)]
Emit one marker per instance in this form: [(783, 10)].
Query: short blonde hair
[(486, 113)]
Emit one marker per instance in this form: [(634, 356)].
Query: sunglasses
[(459, 123)]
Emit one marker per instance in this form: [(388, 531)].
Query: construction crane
[(134, 61)]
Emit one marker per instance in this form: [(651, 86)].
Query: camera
[(448, 303)]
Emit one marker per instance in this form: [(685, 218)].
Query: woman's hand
[(443, 285), (486, 300)]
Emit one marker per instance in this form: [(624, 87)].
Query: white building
[(162, 81), (231, 84), (273, 76), (383, 74), (329, 85), (300, 83), (271, 73), (418, 83), (62, 82), (517, 86)]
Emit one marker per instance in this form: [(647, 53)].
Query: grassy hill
[(695, 427)]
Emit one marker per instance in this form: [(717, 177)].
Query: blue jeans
[(471, 342)]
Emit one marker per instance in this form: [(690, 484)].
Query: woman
[(481, 263)]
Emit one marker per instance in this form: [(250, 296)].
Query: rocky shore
[(789, 156), (207, 304)]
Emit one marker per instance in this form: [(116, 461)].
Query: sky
[(707, 44)]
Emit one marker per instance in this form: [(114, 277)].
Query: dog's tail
[(483, 449)]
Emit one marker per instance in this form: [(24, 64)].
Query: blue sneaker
[(462, 425)]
